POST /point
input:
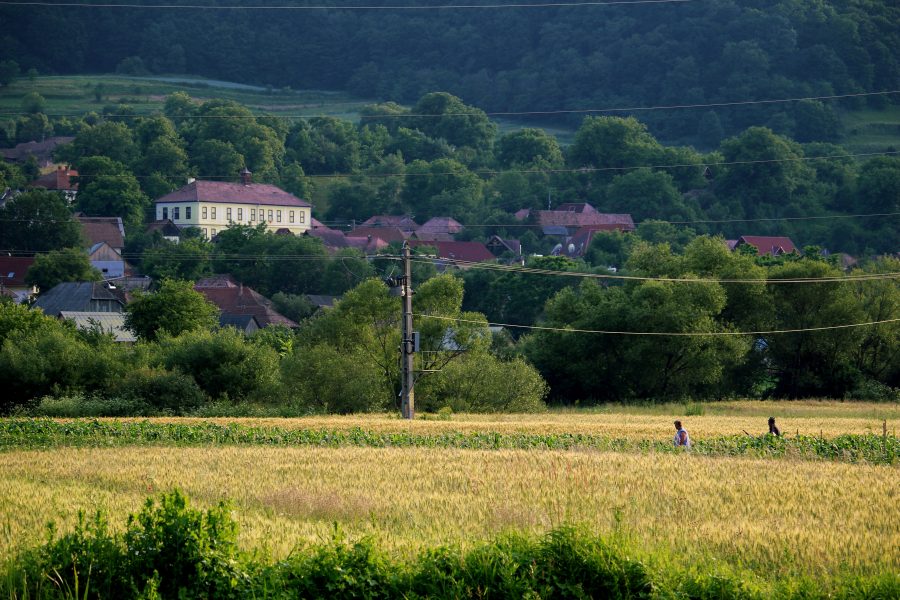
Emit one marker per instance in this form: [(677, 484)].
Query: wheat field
[(777, 517)]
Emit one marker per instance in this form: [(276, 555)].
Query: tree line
[(525, 59)]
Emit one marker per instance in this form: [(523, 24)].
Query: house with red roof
[(465, 252), (214, 205), (237, 301), (388, 234), (765, 245), (103, 229), (568, 218), (58, 180), (439, 229), (12, 277), (403, 222)]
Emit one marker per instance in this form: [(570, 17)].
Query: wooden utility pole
[(407, 346)]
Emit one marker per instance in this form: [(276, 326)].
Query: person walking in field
[(773, 429), (681, 436)]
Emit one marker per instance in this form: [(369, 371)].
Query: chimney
[(246, 176)]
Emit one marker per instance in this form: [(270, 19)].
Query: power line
[(393, 7), (574, 170), (612, 276), (661, 333), (497, 113)]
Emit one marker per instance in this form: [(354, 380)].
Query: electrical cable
[(661, 333)]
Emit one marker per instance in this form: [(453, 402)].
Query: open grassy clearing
[(75, 95), (777, 518), (872, 130)]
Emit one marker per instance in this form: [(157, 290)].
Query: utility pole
[(407, 347)]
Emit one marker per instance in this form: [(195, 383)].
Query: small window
[(228, 214), (278, 216), (252, 214), (213, 232), (290, 216), (205, 213), (270, 216), (165, 214), (240, 215), (213, 215), (187, 212), (175, 216), (204, 232), (302, 217)]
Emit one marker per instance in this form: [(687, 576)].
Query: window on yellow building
[(213, 213), (240, 215), (252, 214), (270, 216), (302, 217), (175, 216), (228, 214), (187, 212), (290, 216), (205, 214), (278, 216), (165, 213)]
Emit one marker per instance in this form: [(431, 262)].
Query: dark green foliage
[(58, 266), (37, 221), (175, 308), (163, 391)]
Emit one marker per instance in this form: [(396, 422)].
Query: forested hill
[(501, 59)]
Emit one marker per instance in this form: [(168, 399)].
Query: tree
[(173, 309), (443, 187), (648, 194), (33, 103), (9, 70), (189, 259), (612, 143), (444, 116), (218, 159), (38, 221), (57, 266), (106, 188), (112, 140), (527, 147)]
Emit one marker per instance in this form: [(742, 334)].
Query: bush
[(78, 405), (325, 379), (166, 391), (480, 382), (223, 363)]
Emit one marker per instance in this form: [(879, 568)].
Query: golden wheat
[(778, 516)]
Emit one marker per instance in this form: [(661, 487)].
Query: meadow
[(775, 515)]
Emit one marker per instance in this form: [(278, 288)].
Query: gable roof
[(579, 214), (404, 222), (498, 244), (771, 245), (166, 228), (235, 299), (57, 180), (113, 323), (463, 251), (388, 234), (13, 269), (42, 151), (76, 296), (440, 225), (228, 192), (331, 238), (103, 229)]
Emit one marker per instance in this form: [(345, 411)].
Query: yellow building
[(213, 205)]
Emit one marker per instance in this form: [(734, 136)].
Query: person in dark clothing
[(773, 429)]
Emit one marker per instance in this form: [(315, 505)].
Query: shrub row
[(171, 550), (19, 433)]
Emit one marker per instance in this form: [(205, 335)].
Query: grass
[(74, 95), (776, 518), (871, 130)]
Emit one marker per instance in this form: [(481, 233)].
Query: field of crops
[(776, 510)]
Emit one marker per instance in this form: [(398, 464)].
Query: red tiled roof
[(103, 229), (365, 244), (331, 238), (224, 191), (404, 222), (577, 215), (388, 234), (57, 180), (235, 299), (446, 225), (13, 269), (465, 251), (42, 151), (771, 245)]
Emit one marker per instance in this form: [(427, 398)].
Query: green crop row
[(46, 433)]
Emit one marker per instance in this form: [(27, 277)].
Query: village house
[(237, 301), (59, 180), (82, 296), (12, 278), (764, 245), (213, 205), (568, 218), (42, 151)]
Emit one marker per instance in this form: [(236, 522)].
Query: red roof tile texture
[(228, 192), (464, 251), (235, 299), (771, 245), (103, 229)]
